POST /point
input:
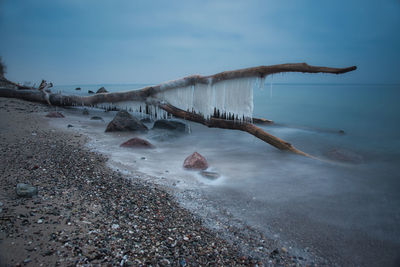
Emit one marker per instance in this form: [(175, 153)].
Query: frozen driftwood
[(223, 100)]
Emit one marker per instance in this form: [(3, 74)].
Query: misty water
[(345, 206)]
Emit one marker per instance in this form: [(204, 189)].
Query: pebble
[(132, 222)]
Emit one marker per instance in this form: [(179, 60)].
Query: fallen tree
[(155, 96)]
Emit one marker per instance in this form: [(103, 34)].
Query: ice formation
[(228, 99)]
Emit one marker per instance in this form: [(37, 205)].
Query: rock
[(210, 175), (26, 190), (115, 226), (97, 118), (195, 161), (54, 114), (137, 143), (101, 90), (85, 111), (90, 92), (170, 125), (341, 132), (69, 126), (124, 121), (344, 155), (77, 88)]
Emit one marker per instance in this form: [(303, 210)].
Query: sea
[(343, 205)]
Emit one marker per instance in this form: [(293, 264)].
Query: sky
[(93, 42)]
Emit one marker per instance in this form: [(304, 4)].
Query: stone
[(170, 125), (195, 161), (97, 118), (344, 156), (90, 92), (26, 190), (70, 125), (101, 90), (55, 114), (85, 111), (77, 88), (137, 143), (124, 121), (210, 175)]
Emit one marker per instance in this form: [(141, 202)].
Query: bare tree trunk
[(147, 94), (229, 124)]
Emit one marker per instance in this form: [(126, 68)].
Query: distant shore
[(87, 214)]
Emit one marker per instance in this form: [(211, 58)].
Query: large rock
[(26, 190), (55, 114), (90, 92), (101, 90), (170, 125), (137, 143), (124, 121), (77, 88), (195, 161)]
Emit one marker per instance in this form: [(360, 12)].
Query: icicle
[(232, 98), (270, 87)]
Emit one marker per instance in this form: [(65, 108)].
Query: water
[(345, 207)]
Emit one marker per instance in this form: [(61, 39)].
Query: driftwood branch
[(229, 124), (148, 93)]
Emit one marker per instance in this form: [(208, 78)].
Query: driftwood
[(147, 94)]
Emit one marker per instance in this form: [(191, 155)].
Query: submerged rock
[(55, 114), (137, 143), (210, 175), (101, 90), (26, 190), (124, 121), (195, 161), (344, 155), (97, 118), (170, 125)]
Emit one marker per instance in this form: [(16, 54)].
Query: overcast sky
[(84, 41)]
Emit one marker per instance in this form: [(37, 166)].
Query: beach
[(88, 214)]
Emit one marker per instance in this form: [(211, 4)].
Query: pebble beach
[(86, 214)]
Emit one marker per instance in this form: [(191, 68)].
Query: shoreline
[(86, 213)]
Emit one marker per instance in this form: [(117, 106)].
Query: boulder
[(170, 125), (54, 114), (137, 143), (26, 190), (101, 90), (210, 175), (90, 92), (124, 121), (77, 88), (195, 161)]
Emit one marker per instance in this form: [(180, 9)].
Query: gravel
[(87, 214)]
